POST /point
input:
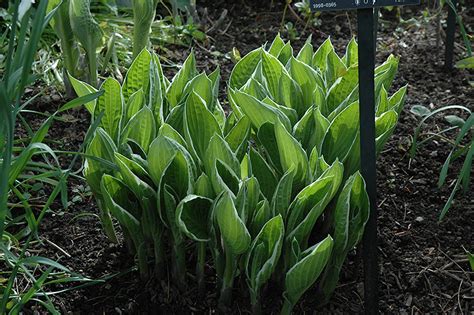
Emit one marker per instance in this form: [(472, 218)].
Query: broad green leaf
[(233, 230), (382, 102), (82, 89), (244, 69), (238, 137), (341, 89), (264, 174), (384, 127), (202, 86), (203, 187), (176, 90), (262, 259), (350, 216), (138, 76), (290, 94), (200, 124), (111, 104), (141, 128), (320, 56), (397, 100), (306, 271), (335, 68), (168, 131), (292, 155), (351, 57), (307, 78), (341, 134), (276, 46), (135, 102), (118, 201), (285, 53), (257, 111), (193, 217), (283, 193), (306, 53), (321, 127), (272, 70), (222, 166)]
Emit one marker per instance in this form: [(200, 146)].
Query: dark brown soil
[(424, 268)]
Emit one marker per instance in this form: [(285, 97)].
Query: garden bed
[(424, 268)]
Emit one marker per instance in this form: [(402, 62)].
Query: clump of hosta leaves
[(269, 193), (315, 95)]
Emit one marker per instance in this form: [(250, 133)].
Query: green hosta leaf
[(101, 146), (350, 216), (306, 271), (351, 57), (82, 89), (466, 63), (267, 137), (283, 194), (168, 131), (222, 166), (135, 102), (257, 111), (276, 46), (306, 53), (341, 134), (285, 53), (341, 90), (86, 30), (335, 68), (321, 55), (272, 70), (156, 88), (254, 88), (323, 189), (238, 137), (118, 199), (176, 90), (262, 214), (397, 100), (307, 78), (111, 104), (138, 76), (202, 86), (193, 215), (263, 255), (141, 128), (203, 187), (382, 102), (135, 168), (176, 118), (321, 127), (162, 153), (233, 230), (264, 174), (200, 124), (244, 69), (385, 74), (292, 155), (304, 129), (384, 126), (306, 209), (291, 94), (247, 198), (289, 112), (215, 78)]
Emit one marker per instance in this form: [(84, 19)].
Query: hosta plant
[(269, 193)]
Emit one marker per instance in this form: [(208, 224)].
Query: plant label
[(329, 5)]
